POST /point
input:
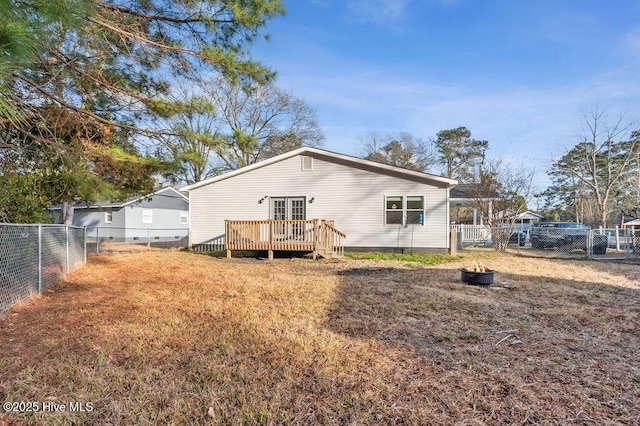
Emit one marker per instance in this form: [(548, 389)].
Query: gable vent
[(307, 162)]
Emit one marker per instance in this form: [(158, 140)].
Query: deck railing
[(314, 235), (473, 233)]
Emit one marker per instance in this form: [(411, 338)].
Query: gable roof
[(470, 191), (132, 200), (353, 161)]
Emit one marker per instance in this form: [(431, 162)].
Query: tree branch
[(89, 113), (196, 18), (145, 40)]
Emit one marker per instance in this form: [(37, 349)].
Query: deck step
[(328, 254)]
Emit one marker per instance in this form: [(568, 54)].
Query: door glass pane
[(296, 212), (297, 209), (279, 209)]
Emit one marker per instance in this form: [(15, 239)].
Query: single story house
[(374, 206), (161, 216), (631, 223)]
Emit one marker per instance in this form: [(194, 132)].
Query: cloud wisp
[(378, 11)]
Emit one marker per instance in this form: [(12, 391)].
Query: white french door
[(288, 208)]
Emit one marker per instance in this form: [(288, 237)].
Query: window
[(108, 216), (415, 210), (147, 216), (394, 211), (307, 162), (184, 217), (404, 210)]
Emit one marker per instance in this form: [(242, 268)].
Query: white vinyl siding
[(348, 194)]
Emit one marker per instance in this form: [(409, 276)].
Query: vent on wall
[(307, 162)]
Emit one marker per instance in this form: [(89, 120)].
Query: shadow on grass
[(541, 350), (158, 338)]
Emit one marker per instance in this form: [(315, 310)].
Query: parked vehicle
[(518, 237), (566, 236)]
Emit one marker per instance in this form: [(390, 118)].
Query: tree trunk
[(67, 213)]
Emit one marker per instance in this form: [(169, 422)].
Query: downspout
[(189, 242)]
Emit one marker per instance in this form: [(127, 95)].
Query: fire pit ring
[(483, 279)]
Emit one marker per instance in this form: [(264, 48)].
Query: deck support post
[(453, 243), (270, 254), (228, 254)]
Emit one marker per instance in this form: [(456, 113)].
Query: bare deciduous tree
[(500, 197), (602, 164), (229, 126), (401, 150)]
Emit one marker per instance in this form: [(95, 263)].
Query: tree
[(105, 63), (500, 196), (191, 146), (460, 155), (66, 158), (232, 126), (401, 150), (120, 58), (598, 169), (23, 28)]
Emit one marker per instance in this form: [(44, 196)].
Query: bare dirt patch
[(176, 338)]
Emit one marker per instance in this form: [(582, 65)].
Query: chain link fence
[(111, 239), (573, 242), (33, 257)]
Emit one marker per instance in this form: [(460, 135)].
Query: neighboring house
[(631, 223), (464, 200), (162, 215), (524, 218), (528, 217), (377, 206)]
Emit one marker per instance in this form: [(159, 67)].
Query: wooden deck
[(319, 237)]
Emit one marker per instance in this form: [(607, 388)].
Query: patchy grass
[(174, 338), (421, 258)]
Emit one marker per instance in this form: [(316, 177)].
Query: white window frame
[(147, 216), (398, 208), (404, 209), (407, 209), (108, 216), (184, 217)]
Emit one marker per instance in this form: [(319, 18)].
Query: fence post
[(84, 244), (97, 240), (66, 237), (39, 259), (148, 238), (453, 242), (617, 238)]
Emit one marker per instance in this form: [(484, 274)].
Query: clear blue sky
[(515, 73)]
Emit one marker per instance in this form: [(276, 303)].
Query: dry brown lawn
[(166, 337)]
